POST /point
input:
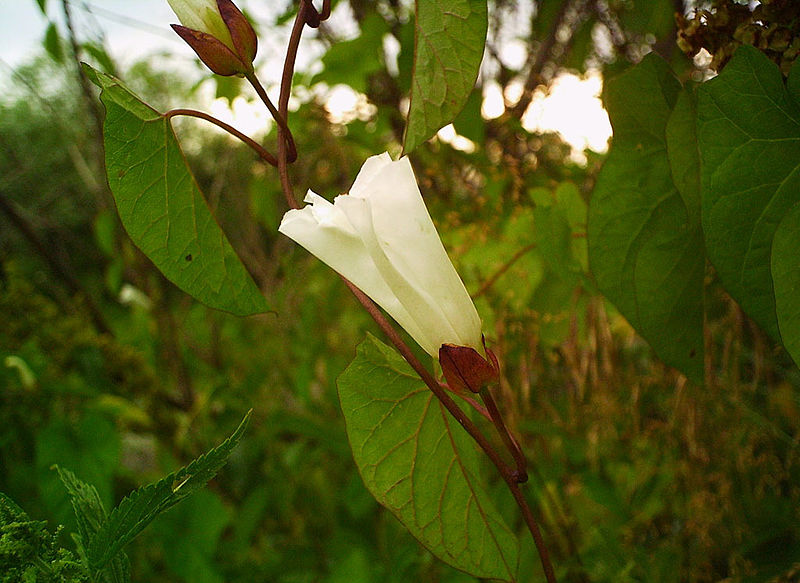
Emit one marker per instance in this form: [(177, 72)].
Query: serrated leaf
[(86, 503), (749, 138), (139, 509), (786, 278), (91, 515), (645, 241), (449, 41), (162, 208), (420, 464)]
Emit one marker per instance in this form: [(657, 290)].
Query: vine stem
[(308, 15), (505, 434), (266, 156)]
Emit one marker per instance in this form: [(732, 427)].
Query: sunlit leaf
[(645, 241), (749, 138), (449, 40), (162, 208), (419, 463)]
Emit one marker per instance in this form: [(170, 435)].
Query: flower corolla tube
[(381, 238)]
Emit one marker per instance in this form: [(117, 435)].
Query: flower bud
[(219, 33), (464, 368)]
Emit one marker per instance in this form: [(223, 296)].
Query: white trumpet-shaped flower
[(381, 238)]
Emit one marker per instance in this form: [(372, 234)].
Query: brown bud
[(244, 37), (213, 52), (464, 367)]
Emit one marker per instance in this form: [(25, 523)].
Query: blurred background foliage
[(107, 370)]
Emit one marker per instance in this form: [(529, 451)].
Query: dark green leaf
[(470, 122), (419, 463), (449, 40), (645, 241), (137, 510), (162, 208), (786, 278), (42, 6), (749, 138), (52, 43)]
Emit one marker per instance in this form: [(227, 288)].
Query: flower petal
[(370, 170), (425, 315), (324, 230), (409, 241)]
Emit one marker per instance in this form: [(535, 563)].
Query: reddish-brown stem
[(508, 440), (438, 390), (308, 15), (266, 156), (507, 265), (284, 131), (472, 402), (533, 527)]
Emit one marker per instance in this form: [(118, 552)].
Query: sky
[(131, 26), (136, 28)]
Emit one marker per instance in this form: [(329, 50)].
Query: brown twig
[(501, 270), (534, 78), (58, 263), (266, 156)]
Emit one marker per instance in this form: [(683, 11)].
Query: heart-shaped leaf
[(419, 463), (162, 208)]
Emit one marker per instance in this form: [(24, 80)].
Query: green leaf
[(420, 464), (645, 240), (137, 510), (52, 43), (100, 55), (449, 40), (86, 503), (341, 67), (749, 137), (470, 122), (553, 237), (162, 208), (28, 552), (90, 515), (786, 278), (189, 536)]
